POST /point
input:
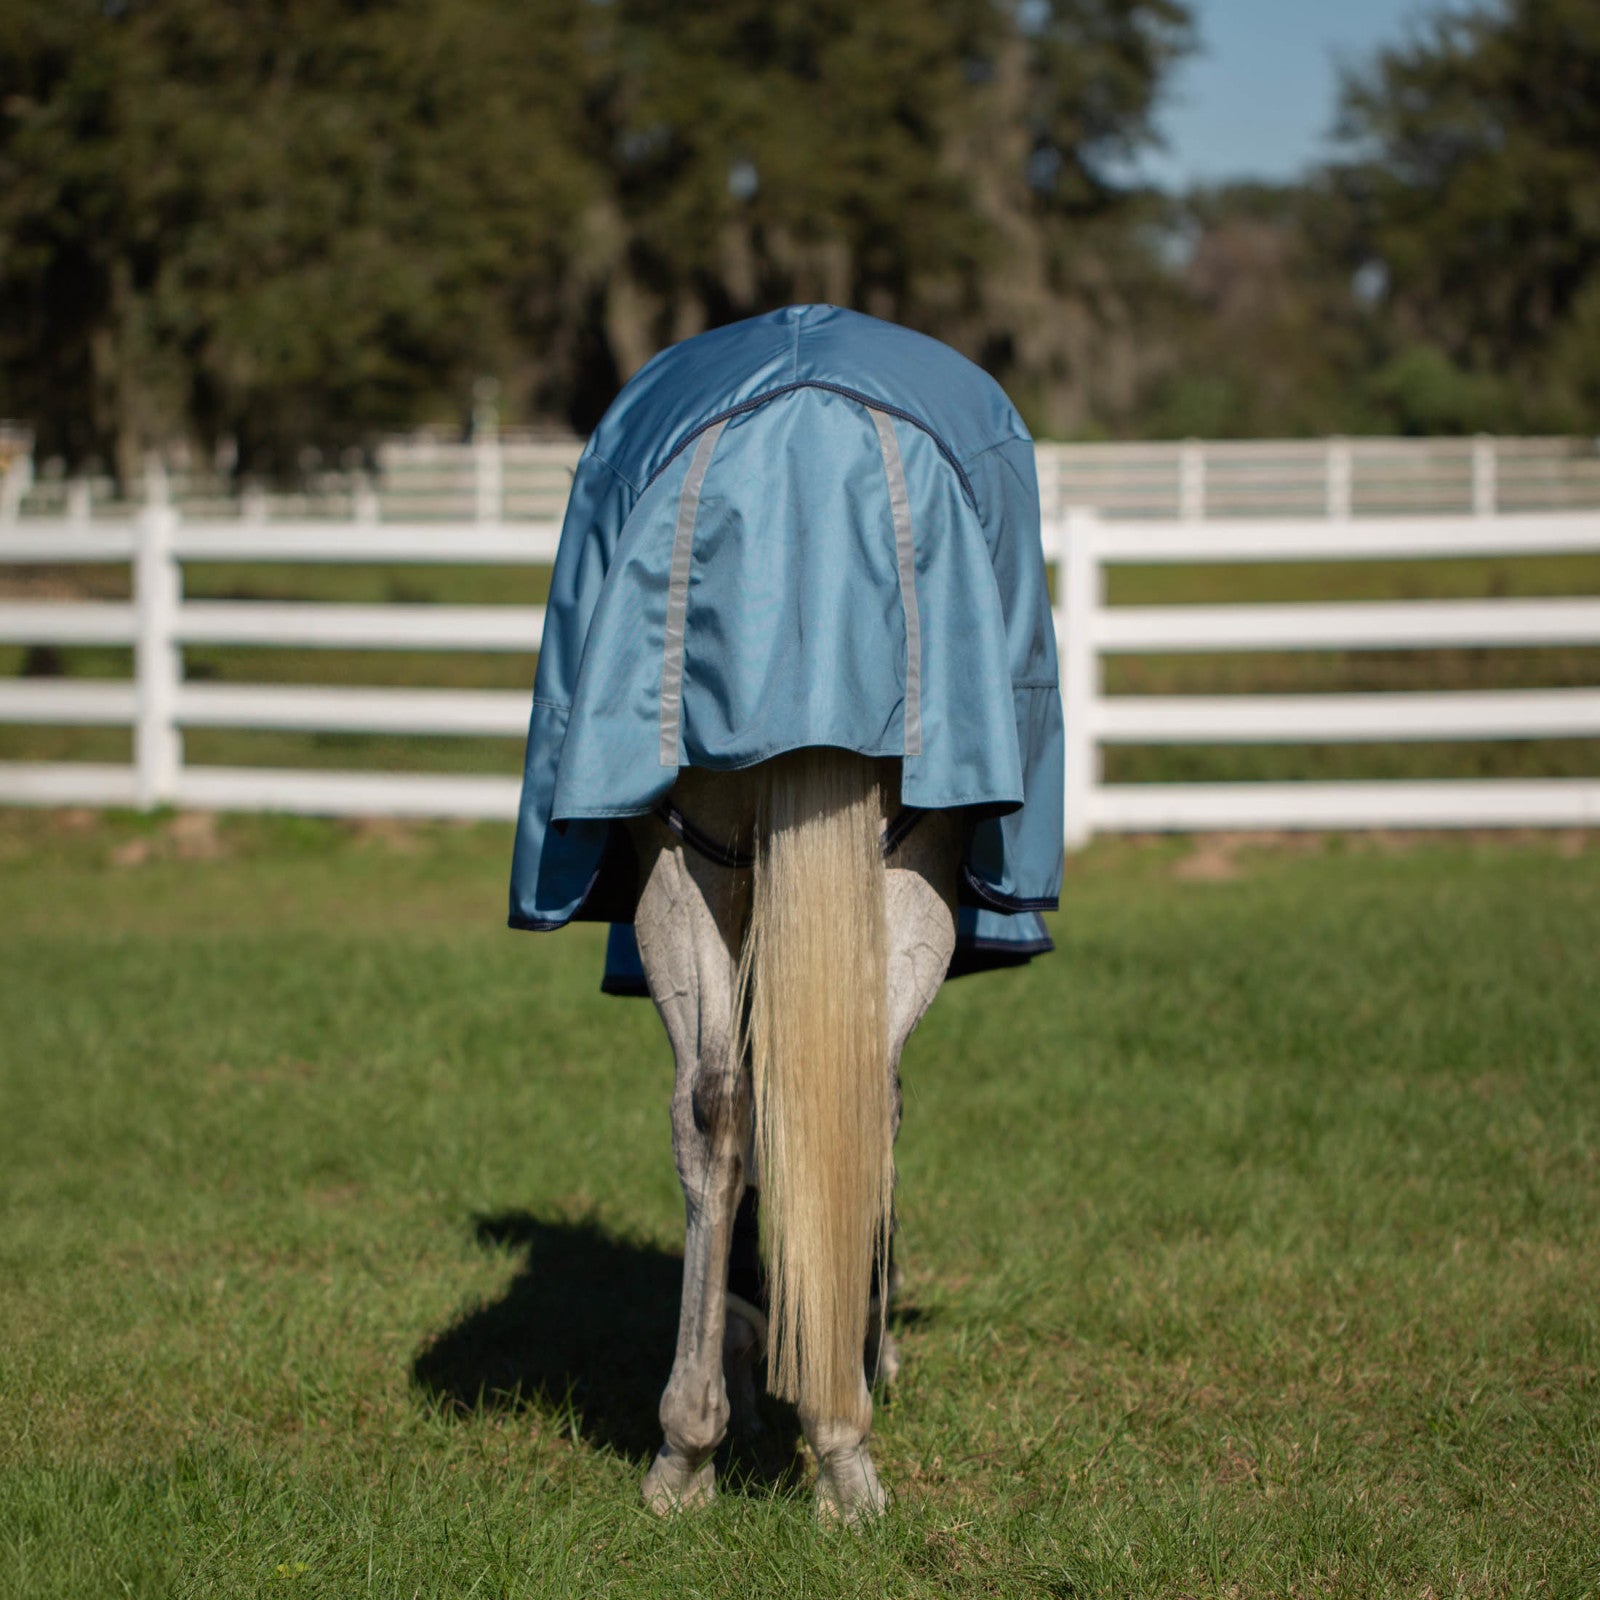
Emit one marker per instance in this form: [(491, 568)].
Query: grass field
[(1252, 1242)]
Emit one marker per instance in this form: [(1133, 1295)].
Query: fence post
[(18, 480), (364, 500), (1191, 480), (1047, 467), (1082, 582), (157, 660), (490, 476), (1338, 478), (1484, 486)]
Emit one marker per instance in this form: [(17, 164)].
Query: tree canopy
[(284, 223), (290, 220), (1477, 189), (1443, 276)]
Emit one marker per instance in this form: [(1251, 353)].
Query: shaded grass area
[(1250, 1241)]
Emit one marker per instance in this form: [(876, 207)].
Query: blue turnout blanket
[(810, 528)]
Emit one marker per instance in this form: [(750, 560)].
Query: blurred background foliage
[(277, 224)]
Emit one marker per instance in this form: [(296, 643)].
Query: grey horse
[(797, 720), (806, 1080)]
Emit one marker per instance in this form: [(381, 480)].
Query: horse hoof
[(671, 1485), (848, 1490)]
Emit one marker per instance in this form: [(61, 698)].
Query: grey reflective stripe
[(906, 555), (678, 594)]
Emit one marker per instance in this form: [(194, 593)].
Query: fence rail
[(505, 478), (1088, 629), (158, 704)]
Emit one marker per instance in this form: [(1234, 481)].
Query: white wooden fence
[(1321, 477), (158, 622), (158, 704), (513, 476), (1087, 629)]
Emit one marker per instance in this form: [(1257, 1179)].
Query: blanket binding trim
[(678, 594), (905, 554)]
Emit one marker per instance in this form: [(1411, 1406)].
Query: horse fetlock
[(694, 1417), (678, 1482), (848, 1489)]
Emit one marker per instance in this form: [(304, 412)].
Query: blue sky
[(1259, 97)]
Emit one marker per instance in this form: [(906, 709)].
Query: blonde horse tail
[(812, 995)]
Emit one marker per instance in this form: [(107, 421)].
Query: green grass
[(1252, 1241), (1470, 578)]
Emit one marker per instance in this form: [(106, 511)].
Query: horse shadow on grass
[(585, 1332)]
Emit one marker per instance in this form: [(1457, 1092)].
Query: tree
[(276, 222), (290, 222), (1265, 331), (1475, 183), (939, 162)]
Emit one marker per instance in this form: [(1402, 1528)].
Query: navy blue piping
[(524, 924), (702, 843), (866, 400), (541, 924), (736, 860), (1032, 947), (900, 828), (894, 836), (996, 901)]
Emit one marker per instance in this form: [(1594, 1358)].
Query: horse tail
[(812, 999)]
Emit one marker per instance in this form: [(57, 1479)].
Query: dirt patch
[(132, 853), (394, 834), (74, 820), (1217, 857), (194, 836), (1213, 860), (189, 836)]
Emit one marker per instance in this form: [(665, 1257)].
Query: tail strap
[(701, 842)]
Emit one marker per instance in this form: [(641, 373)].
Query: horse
[(788, 988), (796, 734)]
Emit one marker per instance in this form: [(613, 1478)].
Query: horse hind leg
[(744, 1342), (920, 914), (920, 938), (882, 1355), (687, 924)]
